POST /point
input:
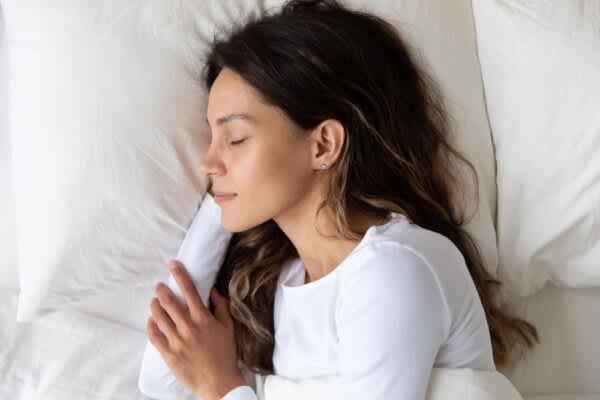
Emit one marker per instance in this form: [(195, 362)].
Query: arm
[(391, 325), (202, 253)]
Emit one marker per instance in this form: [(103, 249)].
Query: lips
[(223, 197)]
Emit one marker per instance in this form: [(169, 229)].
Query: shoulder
[(410, 245), (386, 266), (409, 270), (393, 287), (432, 245), (436, 248), (395, 251)]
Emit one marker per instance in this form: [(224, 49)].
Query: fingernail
[(172, 266)]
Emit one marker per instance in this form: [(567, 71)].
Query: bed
[(68, 331)]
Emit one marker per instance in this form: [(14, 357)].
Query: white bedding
[(94, 350), (8, 243), (121, 134), (568, 358), (565, 397), (67, 355), (73, 355)]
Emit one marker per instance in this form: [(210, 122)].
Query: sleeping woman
[(330, 162)]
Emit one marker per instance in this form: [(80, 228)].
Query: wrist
[(226, 386)]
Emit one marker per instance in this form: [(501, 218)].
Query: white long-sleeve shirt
[(401, 303)]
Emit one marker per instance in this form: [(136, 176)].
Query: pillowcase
[(108, 128), (8, 261), (444, 384), (541, 70)]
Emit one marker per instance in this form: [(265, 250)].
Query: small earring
[(323, 166)]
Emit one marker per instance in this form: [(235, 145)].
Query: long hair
[(315, 60)]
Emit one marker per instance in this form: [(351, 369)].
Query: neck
[(322, 254)]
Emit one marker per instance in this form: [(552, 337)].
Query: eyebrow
[(229, 117)]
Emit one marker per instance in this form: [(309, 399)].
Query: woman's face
[(256, 152)]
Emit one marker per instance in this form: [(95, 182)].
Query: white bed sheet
[(568, 358), (68, 355), (565, 397)]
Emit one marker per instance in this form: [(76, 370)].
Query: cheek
[(266, 182), (265, 174)]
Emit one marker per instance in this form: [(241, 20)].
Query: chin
[(239, 225), (234, 226)]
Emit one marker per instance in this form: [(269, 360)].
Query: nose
[(211, 164)]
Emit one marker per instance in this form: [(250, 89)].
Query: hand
[(198, 348)]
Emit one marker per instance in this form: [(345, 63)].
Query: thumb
[(221, 308)]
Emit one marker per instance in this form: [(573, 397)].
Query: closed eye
[(235, 143)]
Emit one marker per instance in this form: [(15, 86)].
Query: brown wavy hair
[(315, 60)]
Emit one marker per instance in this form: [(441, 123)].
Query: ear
[(328, 140)]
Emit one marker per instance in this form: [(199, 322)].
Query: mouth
[(220, 198)]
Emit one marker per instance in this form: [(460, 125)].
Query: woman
[(329, 158)]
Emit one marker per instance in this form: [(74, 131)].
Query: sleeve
[(202, 252), (392, 318), (240, 393)]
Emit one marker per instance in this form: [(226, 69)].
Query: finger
[(175, 311), (198, 310), (164, 321), (159, 341), (221, 308)]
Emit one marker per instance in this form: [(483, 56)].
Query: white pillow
[(108, 130), (8, 243), (541, 69), (444, 384)]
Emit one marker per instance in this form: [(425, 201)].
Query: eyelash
[(237, 142)]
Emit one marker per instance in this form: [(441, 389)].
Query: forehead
[(231, 93)]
